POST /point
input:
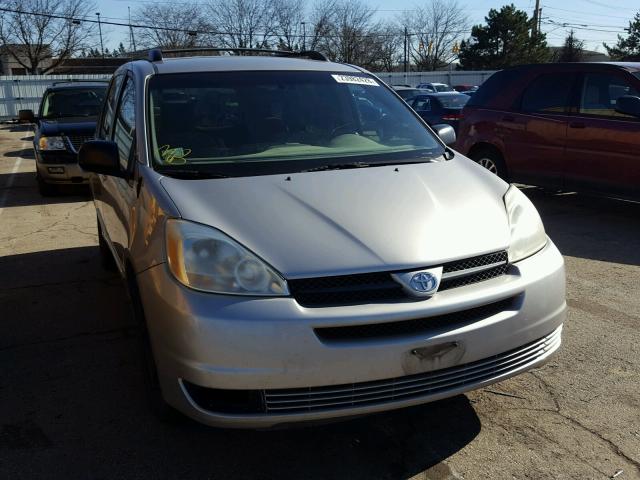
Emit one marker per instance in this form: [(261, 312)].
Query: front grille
[(380, 287), (415, 326), (76, 141), (474, 262), (301, 400)]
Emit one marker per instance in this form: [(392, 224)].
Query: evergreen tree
[(572, 50), (627, 48), (505, 40)]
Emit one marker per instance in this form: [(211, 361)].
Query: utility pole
[(304, 35), (132, 38), (406, 51), (540, 20), (100, 30), (536, 19)]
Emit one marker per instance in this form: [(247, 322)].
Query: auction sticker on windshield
[(356, 80)]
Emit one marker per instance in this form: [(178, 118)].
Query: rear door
[(603, 146), (535, 133)]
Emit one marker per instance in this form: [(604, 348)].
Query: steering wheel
[(343, 129)]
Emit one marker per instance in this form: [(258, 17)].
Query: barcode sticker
[(355, 80)]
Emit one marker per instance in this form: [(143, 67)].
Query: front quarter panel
[(150, 212)]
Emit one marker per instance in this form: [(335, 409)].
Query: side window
[(106, 122), (548, 93), (600, 92), (422, 105), (125, 124)]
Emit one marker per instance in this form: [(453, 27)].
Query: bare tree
[(40, 43), (243, 23), (434, 30), (176, 25), (289, 16), (346, 31)]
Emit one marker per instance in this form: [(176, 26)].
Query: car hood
[(351, 221), (68, 126)]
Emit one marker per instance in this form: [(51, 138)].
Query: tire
[(492, 161), (106, 257), (157, 404), (45, 189)]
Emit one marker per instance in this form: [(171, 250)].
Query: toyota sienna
[(300, 246)]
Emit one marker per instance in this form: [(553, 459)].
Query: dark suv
[(66, 119), (572, 126)]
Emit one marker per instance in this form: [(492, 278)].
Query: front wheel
[(160, 408), (492, 161)]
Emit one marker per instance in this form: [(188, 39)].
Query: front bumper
[(60, 167), (236, 343)]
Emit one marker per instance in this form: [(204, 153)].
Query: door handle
[(577, 125)]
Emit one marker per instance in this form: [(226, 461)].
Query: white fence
[(25, 91), (453, 77), (19, 92)]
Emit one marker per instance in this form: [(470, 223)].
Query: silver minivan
[(299, 245)]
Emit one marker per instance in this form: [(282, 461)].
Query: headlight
[(52, 143), (527, 232), (204, 258)]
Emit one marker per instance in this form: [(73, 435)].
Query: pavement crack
[(557, 410)]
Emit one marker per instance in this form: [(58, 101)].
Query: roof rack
[(156, 54), (79, 80)]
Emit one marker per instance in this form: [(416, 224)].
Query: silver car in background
[(299, 245)]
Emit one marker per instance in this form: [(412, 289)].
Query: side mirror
[(26, 116), (446, 133), (101, 156), (629, 105)]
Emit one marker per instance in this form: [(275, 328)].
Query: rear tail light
[(452, 116)]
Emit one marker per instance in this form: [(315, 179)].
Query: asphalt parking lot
[(72, 403)]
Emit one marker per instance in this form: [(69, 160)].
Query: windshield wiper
[(189, 174), (343, 166), (338, 166)]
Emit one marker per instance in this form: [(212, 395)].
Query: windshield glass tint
[(260, 117), (84, 102), (454, 101)]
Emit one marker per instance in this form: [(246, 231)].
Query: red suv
[(573, 126)]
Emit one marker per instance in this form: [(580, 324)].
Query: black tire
[(45, 189), (106, 257), (157, 404), (491, 160)]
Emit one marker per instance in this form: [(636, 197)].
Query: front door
[(119, 193)]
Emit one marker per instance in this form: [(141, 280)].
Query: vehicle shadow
[(20, 189), (26, 153), (590, 227), (77, 392)]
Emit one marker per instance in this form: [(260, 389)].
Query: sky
[(594, 21)]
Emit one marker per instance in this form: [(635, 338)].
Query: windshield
[(454, 101), (76, 102), (248, 119), (440, 87)]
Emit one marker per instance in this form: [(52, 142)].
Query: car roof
[(226, 63), (397, 87), (78, 85), (440, 94), (630, 66)]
